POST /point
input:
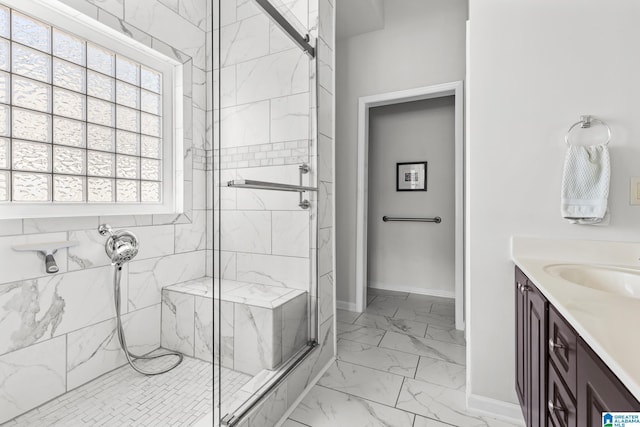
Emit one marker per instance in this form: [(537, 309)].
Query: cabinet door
[(599, 390), (521, 353), (537, 351)]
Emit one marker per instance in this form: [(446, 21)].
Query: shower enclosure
[(265, 200), (237, 120), (103, 119)]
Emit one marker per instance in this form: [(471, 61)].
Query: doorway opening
[(453, 91)]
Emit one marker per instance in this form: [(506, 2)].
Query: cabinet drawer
[(560, 404), (563, 349)]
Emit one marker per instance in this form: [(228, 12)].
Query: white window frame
[(71, 20)]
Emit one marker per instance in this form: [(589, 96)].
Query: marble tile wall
[(274, 264), (263, 121), (272, 154), (57, 332)]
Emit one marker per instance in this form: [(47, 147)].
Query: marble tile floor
[(400, 364), (123, 397)]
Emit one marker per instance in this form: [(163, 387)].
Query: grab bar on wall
[(436, 219)]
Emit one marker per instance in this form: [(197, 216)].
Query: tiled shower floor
[(125, 398), (232, 381)]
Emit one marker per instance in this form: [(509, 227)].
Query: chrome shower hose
[(123, 343)]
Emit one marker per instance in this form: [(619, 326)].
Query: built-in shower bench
[(261, 325)]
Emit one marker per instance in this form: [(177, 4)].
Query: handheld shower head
[(121, 246)]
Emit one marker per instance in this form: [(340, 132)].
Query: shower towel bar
[(276, 186), (264, 185), (436, 219)]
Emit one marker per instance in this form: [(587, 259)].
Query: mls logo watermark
[(621, 419)]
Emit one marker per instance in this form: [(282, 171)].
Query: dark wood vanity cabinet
[(561, 405), (560, 381), (563, 348), (521, 351), (531, 359), (599, 390), (562, 371)]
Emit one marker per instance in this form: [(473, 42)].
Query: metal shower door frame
[(305, 43)]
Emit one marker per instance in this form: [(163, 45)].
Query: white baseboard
[(351, 306), (412, 289), (495, 408), (295, 404), (346, 305)]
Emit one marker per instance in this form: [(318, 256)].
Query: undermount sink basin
[(615, 280)]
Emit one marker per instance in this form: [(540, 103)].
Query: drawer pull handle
[(524, 288), (554, 408), (553, 345)]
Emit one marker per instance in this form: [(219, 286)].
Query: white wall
[(412, 256), (536, 65), (422, 43), (370, 15)]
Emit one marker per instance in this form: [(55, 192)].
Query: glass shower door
[(265, 210)]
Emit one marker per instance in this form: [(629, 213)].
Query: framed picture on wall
[(411, 176)]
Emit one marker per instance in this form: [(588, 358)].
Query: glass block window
[(79, 122)]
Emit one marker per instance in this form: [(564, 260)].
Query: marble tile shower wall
[(57, 332), (279, 153), (264, 112), (257, 105)]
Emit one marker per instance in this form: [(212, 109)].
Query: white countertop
[(609, 323)]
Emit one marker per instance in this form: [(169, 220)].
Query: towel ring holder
[(585, 123)]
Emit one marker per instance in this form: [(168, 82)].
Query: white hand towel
[(585, 184)]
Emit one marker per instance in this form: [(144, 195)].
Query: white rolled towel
[(585, 184)]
